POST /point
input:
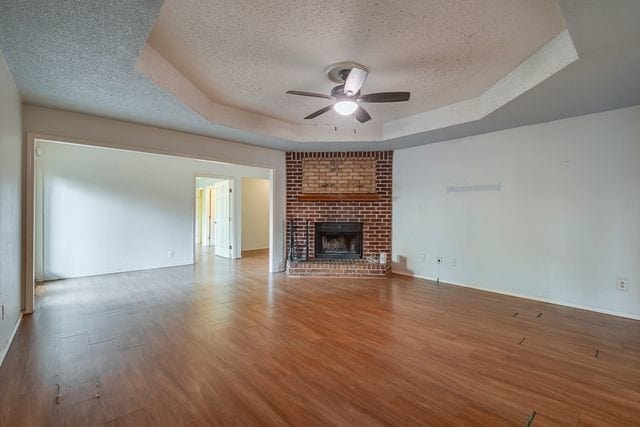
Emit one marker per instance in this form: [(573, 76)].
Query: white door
[(222, 233)]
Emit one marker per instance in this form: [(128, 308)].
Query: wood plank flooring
[(225, 343)]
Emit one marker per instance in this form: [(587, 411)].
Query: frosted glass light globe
[(345, 108)]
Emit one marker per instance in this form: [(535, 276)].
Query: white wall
[(10, 206), (98, 131), (564, 226), (255, 214), (105, 211)]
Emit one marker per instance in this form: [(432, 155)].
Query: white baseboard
[(13, 334), (529, 297)]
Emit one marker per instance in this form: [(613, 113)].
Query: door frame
[(198, 234), (235, 184), (206, 220)]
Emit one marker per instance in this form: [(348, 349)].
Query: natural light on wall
[(102, 211)]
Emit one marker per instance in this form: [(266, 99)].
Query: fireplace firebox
[(338, 240)]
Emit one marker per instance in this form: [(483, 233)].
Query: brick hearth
[(341, 187), (338, 268)]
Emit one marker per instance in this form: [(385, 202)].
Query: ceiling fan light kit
[(347, 95), (345, 108)]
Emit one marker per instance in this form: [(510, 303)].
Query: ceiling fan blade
[(361, 115), (319, 112), (385, 97), (354, 81), (311, 94)]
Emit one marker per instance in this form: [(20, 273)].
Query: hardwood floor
[(225, 343)]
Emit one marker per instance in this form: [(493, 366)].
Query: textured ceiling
[(247, 54), (80, 56)]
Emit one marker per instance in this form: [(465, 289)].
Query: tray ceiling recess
[(221, 69), (232, 62)]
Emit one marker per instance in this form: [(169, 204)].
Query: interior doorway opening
[(232, 218), (214, 217), (82, 219), (88, 220)]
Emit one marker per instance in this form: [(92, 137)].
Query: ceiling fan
[(347, 96)]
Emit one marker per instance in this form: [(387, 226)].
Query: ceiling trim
[(158, 70), (545, 62)]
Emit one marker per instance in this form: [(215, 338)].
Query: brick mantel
[(349, 177)]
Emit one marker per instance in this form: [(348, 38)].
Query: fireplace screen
[(338, 240)]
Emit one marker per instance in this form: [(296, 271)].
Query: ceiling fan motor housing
[(338, 92), (339, 72)]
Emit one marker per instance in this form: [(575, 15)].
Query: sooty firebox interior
[(338, 240)]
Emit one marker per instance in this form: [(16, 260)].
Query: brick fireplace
[(345, 198)]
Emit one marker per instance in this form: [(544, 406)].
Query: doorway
[(110, 206), (214, 223), (205, 216), (222, 219)]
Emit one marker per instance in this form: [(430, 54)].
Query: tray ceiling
[(247, 54), (87, 56)]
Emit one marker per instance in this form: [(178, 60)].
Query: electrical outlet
[(622, 285), (439, 260), (422, 257), (170, 254), (453, 261)]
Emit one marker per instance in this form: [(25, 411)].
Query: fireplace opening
[(338, 240)]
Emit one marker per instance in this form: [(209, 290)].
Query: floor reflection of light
[(270, 294)]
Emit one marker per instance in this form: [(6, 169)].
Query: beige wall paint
[(255, 214), (10, 206)]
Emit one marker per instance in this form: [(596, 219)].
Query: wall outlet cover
[(622, 285)]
